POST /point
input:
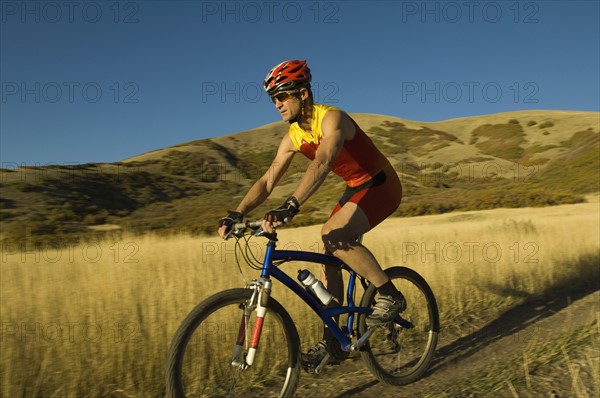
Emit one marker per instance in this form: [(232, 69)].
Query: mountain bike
[(216, 351)]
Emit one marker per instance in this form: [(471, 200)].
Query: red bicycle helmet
[(287, 76)]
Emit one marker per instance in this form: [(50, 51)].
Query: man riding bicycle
[(333, 142)]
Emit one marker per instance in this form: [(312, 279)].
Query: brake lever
[(229, 235)]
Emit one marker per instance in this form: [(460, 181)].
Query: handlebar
[(238, 229), (248, 224)]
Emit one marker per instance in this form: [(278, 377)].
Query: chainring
[(335, 349)]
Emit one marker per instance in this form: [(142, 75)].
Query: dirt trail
[(465, 356)]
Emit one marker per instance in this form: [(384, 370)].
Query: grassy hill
[(514, 159)]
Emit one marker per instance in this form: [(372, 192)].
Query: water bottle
[(315, 286)]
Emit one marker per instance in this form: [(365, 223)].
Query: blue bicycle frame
[(326, 314)]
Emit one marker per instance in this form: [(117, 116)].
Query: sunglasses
[(283, 96)]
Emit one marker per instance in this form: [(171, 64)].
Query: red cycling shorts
[(378, 198)]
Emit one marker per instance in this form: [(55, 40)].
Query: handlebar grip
[(239, 225), (247, 224)]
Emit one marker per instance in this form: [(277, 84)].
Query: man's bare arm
[(263, 187)]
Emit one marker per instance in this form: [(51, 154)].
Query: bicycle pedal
[(322, 364), (360, 342), (313, 369)]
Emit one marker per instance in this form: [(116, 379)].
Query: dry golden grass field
[(96, 319)]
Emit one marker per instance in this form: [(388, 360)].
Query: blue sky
[(101, 81)]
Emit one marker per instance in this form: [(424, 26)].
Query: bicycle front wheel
[(397, 354), (201, 360)]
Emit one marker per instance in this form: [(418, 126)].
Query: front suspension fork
[(258, 302)]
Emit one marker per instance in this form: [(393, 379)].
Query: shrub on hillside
[(502, 140), (546, 125)]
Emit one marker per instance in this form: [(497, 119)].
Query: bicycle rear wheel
[(394, 354), (199, 362)]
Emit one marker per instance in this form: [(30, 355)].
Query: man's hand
[(281, 215), (226, 223)]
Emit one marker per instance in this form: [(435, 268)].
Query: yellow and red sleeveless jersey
[(358, 161)]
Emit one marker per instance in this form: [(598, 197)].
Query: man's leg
[(318, 355), (333, 281), (339, 235)]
